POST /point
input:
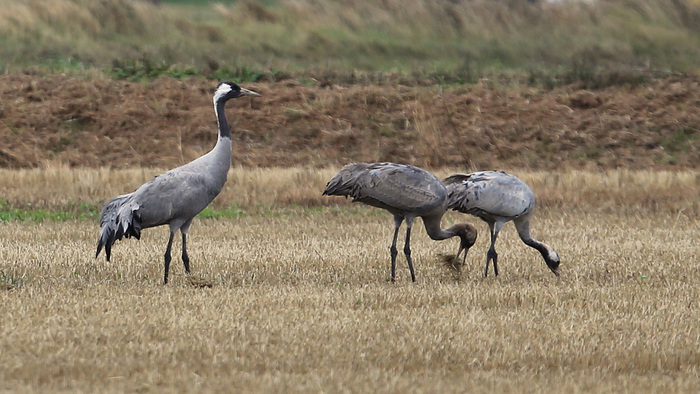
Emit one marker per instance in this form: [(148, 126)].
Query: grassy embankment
[(597, 43)]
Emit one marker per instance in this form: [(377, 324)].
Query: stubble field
[(300, 299), (594, 104)]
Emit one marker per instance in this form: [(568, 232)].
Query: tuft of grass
[(680, 140), (28, 213), (11, 279), (144, 70), (38, 215), (232, 211)]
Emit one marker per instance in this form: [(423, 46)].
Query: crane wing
[(173, 195), (489, 194), (396, 187), (343, 183)]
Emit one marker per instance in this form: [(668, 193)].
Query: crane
[(406, 192), (497, 198), (177, 196)]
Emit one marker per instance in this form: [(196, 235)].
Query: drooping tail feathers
[(344, 183), (117, 220)]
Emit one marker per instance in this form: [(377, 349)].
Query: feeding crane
[(406, 192), (497, 198)]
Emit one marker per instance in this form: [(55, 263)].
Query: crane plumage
[(497, 198), (177, 196), (406, 192)]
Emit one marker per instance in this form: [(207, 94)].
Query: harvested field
[(300, 299), (254, 189), (594, 104), (300, 302)]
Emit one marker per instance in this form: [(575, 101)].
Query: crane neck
[(435, 232), (224, 128)]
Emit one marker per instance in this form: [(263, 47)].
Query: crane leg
[(393, 250), (167, 257), (495, 263), (407, 250), (185, 257), (491, 254)]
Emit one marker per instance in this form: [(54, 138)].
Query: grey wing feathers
[(175, 195), (117, 221), (119, 217), (156, 197), (389, 185), (404, 187), (345, 181), (489, 193)]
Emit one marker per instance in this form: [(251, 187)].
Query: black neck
[(224, 129), (537, 245)]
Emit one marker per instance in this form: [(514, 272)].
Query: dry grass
[(298, 299), (255, 188), (301, 302)]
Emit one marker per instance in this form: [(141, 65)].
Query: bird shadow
[(453, 265), (450, 261), (199, 282)]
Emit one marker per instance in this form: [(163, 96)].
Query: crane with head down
[(497, 198), (406, 192)]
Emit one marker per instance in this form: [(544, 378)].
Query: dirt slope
[(101, 122)]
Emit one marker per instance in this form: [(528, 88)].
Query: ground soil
[(95, 122)]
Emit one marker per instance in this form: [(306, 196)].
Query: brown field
[(300, 299), (94, 122)]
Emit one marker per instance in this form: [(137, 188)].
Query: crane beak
[(464, 259), (246, 92), (555, 270)]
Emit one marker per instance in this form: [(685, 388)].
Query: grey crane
[(497, 198), (176, 197), (406, 192)]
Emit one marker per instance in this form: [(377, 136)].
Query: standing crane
[(176, 197), (406, 192), (497, 198)]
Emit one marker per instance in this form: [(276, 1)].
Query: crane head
[(467, 236), (552, 260), (228, 90)]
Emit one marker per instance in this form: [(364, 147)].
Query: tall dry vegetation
[(57, 187), (466, 38)]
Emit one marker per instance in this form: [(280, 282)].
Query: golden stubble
[(56, 186), (301, 302)]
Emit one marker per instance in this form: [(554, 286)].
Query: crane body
[(497, 198), (177, 196)]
